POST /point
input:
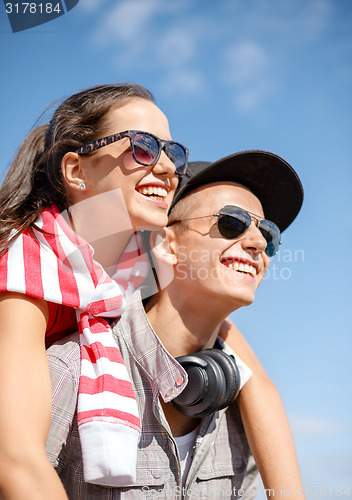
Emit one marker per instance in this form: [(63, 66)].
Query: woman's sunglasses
[(234, 221), (146, 148)]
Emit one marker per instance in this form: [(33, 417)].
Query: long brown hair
[(34, 180)]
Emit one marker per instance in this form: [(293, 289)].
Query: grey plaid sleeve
[(64, 363), (251, 480)]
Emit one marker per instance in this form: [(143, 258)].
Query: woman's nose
[(164, 165)]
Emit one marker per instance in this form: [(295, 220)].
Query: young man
[(219, 244)]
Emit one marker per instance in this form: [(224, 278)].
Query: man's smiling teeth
[(153, 191), (241, 266)]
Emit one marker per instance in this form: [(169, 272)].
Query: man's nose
[(253, 239)]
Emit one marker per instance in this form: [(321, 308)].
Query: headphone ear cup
[(198, 382), (202, 394), (213, 383), (231, 376)]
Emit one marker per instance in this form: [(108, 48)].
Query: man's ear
[(163, 259), (72, 171), (162, 247)]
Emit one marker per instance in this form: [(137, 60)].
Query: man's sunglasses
[(146, 148), (234, 221)]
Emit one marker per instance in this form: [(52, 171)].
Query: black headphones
[(213, 382)]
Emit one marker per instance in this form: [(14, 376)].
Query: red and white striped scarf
[(59, 267)]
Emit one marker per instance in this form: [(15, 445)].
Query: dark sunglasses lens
[(177, 155), (232, 226), (272, 234), (145, 148)]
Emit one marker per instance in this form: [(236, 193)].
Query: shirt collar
[(148, 351)]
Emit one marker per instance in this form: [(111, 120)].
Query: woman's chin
[(149, 221)]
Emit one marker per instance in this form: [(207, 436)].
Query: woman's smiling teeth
[(154, 191), (241, 267)]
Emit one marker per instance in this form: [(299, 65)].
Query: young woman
[(49, 281)]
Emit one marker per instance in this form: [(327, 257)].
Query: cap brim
[(266, 174)]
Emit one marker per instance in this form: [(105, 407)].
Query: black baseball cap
[(267, 175)]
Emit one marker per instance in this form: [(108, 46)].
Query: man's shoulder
[(133, 318), (66, 349)]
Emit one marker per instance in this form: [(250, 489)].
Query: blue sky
[(234, 75)]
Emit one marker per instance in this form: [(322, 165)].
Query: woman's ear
[(162, 247), (72, 171)]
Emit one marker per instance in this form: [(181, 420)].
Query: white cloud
[(177, 47), (136, 21), (314, 18), (248, 69), (313, 425), (249, 98), (126, 22), (135, 30), (182, 81), (296, 21), (90, 6), (253, 66), (245, 61)]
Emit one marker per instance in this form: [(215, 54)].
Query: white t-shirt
[(185, 445)]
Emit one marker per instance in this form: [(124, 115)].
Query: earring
[(82, 186)]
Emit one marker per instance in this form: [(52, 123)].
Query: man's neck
[(183, 325)]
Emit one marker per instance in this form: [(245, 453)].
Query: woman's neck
[(108, 250), (107, 239)]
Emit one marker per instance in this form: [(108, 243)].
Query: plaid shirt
[(222, 465)]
